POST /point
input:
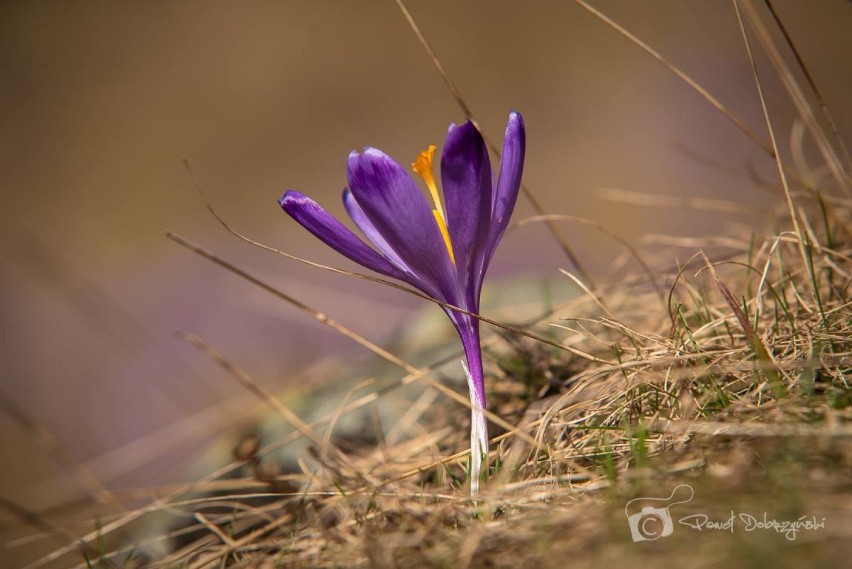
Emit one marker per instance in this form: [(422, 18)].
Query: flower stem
[(478, 423)]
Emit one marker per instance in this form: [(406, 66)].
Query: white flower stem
[(478, 436)]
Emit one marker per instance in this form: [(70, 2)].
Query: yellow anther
[(423, 166), (446, 234)]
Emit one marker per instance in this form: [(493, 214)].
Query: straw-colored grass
[(734, 380)]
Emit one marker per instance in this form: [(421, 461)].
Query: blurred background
[(101, 101)]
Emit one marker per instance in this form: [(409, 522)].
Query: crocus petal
[(466, 179), (330, 231), (399, 212), (353, 208), (508, 181)]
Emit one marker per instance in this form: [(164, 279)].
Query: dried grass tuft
[(737, 382)]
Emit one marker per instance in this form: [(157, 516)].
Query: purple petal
[(369, 230), (334, 234), (508, 181), (400, 213), (466, 178)]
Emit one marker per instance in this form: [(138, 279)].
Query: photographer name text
[(788, 528)]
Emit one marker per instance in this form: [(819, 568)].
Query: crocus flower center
[(422, 165)]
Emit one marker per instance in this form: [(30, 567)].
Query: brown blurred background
[(102, 100)]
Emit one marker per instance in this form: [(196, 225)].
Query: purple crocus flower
[(440, 249)]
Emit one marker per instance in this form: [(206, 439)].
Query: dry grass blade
[(674, 202), (719, 429), (622, 241), (692, 242), (590, 294), (804, 68), (351, 334), (84, 477), (492, 147), (61, 535), (209, 255), (274, 403), (738, 122), (226, 539), (222, 553), (188, 431), (787, 195), (799, 99), (755, 343)]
